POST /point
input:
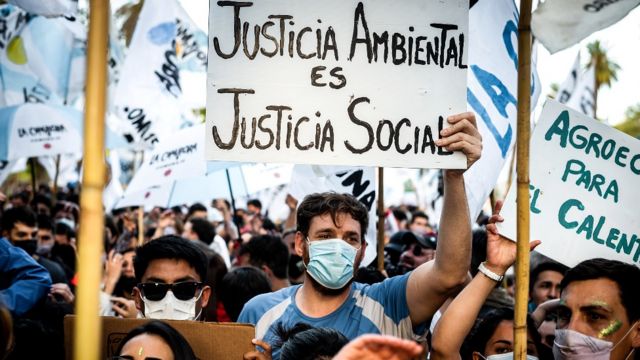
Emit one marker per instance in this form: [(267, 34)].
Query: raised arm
[(457, 321), (432, 283)]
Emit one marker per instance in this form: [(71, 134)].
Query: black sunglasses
[(184, 290)]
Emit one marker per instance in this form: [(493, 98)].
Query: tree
[(631, 124), (606, 70)]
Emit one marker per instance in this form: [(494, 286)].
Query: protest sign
[(491, 92), (335, 82), (359, 182), (583, 189), (559, 24)]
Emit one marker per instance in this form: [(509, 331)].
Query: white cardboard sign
[(583, 191), (337, 82)]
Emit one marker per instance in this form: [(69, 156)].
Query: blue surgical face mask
[(331, 262)]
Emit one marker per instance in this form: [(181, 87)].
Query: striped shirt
[(379, 309)]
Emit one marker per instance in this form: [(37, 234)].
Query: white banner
[(492, 92), (584, 189), (335, 82), (179, 157), (359, 182), (48, 8), (149, 97), (559, 24), (583, 97), (568, 86), (258, 177)]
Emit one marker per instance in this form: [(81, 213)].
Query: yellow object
[(15, 51), (522, 169), (88, 327)]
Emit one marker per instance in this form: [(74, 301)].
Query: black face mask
[(30, 246)]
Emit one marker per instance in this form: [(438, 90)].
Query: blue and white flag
[(36, 61), (30, 130), (492, 86), (149, 97), (577, 90), (48, 8), (559, 24)]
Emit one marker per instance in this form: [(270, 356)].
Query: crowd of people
[(444, 292)]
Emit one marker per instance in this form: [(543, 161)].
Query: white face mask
[(171, 308), (570, 344), (506, 356)]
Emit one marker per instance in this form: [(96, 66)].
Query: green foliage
[(631, 124)]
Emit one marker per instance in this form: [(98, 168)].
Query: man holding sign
[(330, 239)]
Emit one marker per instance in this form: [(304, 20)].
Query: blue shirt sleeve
[(28, 281), (392, 295)]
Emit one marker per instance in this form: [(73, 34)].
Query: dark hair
[(61, 228), (20, 214), (41, 199), (45, 222), (486, 325), (255, 202), (546, 265), (239, 286), (399, 215), (623, 274), (203, 228), (419, 214), (178, 344), (270, 251), (170, 247), (216, 270), (333, 204), (22, 195), (195, 207), (305, 342)]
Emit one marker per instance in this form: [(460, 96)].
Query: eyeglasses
[(184, 290)]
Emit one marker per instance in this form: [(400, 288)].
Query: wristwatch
[(490, 274)]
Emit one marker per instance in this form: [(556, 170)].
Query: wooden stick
[(522, 169), (380, 219), (141, 226), (88, 327)]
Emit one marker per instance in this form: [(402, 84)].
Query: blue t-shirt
[(370, 309)]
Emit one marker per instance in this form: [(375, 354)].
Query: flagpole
[(522, 168), (55, 177), (233, 200), (380, 219), (88, 327), (32, 163), (141, 224)]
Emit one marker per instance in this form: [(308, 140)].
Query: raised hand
[(379, 347), (501, 252), (462, 135)]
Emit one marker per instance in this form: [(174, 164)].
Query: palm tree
[(606, 70)]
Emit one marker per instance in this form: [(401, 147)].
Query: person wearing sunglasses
[(170, 272)]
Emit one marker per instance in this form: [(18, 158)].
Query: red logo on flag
[(47, 146), (167, 172), (146, 196)]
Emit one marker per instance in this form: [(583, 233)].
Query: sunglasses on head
[(184, 290)]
